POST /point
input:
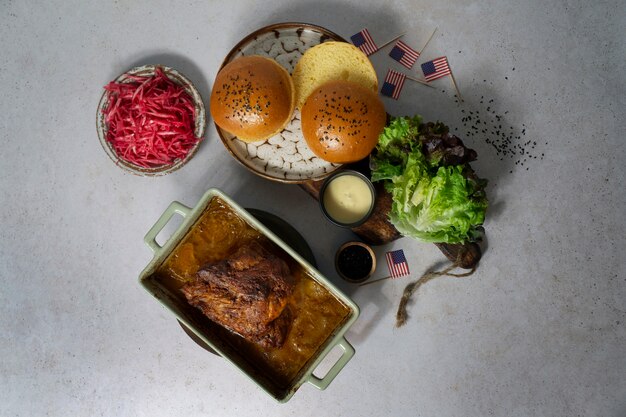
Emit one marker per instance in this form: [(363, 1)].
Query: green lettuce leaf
[(431, 201)]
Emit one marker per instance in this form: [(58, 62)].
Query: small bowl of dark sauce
[(355, 261)]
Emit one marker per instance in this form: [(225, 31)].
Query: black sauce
[(354, 262)]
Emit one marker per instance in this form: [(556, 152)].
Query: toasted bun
[(331, 61), (341, 121), (253, 98)]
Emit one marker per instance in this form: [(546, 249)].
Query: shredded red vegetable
[(150, 120)]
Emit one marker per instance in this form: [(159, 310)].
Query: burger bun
[(253, 98), (341, 121)]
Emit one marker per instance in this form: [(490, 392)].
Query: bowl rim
[(340, 173), (363, 245), (369, 250), (200, 122)]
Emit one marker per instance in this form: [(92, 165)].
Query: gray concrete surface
[(539, 330)]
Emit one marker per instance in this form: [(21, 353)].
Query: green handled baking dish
[(206, 330)]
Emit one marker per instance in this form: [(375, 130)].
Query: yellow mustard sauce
[(316, 312), (347, 199)]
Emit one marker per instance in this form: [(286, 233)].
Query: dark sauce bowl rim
[(369, 250)]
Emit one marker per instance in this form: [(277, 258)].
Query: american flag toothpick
[(364, 41), (404, 54), (394, 81), (397, 263), (437, 68)]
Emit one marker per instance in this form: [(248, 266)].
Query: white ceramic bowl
[(200, 121)]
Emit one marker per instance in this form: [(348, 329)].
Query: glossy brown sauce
[(317, 313)]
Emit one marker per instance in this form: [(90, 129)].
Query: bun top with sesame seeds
[(341, 121), (253, 98)]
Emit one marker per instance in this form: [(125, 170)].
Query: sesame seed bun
[(253, 98), (341, 121)]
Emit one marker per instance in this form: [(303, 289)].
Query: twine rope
[(410, 289)]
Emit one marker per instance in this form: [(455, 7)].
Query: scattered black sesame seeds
[(508, 141)]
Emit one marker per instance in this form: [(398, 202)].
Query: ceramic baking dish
[(209, 332)]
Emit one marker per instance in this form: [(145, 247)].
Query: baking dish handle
[(174, 208), (324, 382)]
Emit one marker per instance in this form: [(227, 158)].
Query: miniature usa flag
[(363, 40), (436, 68), (404, 54), (396, 261), (394, 81)]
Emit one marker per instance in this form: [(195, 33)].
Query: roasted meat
[(247, 293)]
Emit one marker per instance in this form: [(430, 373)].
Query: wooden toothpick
[(376, 280), (417, 80), (428, 41), (456, 87), (394, 39)]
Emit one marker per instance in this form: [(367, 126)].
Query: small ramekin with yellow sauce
[(347, 198)]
